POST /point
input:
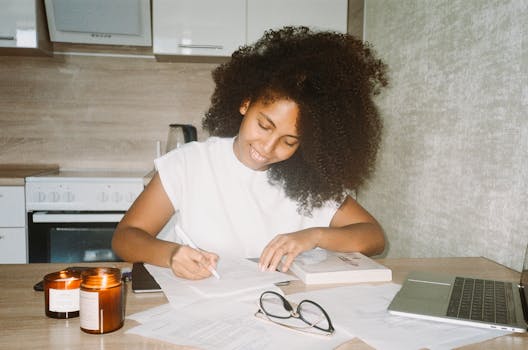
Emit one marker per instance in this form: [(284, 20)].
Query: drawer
[(12, 245), (12, 206)]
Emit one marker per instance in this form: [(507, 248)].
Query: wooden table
[(23, 324)]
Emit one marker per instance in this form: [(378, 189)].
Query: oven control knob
[(69, 197), (102, 197), (41, 197), (117, 197), (131, 196), (54, 196)]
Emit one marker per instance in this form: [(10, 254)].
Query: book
[(319, 266)]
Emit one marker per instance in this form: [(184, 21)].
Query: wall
[(96, 112), (453, 171)]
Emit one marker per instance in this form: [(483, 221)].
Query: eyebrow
[(272, 123)]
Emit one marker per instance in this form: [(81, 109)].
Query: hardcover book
[(319, 266)]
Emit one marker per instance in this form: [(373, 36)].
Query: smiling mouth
[(256, 155)]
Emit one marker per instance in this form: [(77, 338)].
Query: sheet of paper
[(226, 326), (178, 294), (237, 276), (362, 310), (161, 312)]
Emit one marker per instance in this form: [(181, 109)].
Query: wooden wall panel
[(96, 112)]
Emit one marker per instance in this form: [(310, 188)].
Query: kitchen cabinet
[(23, 28), (217, 28), (198, 27), (12, 225), (273, 14)]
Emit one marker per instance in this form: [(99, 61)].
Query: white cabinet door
[(198, 27), (13, 245), (18, 23), (12, 206), (317, 14), (12, 225)]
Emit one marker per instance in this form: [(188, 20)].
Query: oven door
[(71, 237)]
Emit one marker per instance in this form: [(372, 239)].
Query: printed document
[(362, 309), (210, 324)]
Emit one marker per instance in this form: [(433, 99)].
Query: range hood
[(108, 22)]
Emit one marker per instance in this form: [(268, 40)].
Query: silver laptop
[(466, 301)]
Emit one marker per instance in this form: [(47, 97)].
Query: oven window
[(81, 244)]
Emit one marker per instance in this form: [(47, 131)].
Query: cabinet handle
[(216, 47), (5, 37)]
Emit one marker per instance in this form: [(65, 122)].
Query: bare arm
[(135, 236), (352, 229)]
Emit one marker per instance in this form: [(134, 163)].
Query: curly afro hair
[(332, 77)]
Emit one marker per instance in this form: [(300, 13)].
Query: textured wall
[(453, 170)]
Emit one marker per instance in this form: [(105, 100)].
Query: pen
[(191, 244)]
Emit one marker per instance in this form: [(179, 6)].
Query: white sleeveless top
[(225, 207)]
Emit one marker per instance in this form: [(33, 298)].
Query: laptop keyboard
[(481, 300)]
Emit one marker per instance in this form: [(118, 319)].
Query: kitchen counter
[(25, 326), (15, 174)]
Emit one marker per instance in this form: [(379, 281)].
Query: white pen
[(191, 244)]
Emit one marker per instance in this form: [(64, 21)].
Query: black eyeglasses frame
[(295, 313)]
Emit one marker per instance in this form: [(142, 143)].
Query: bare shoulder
[(351, 212), (152, 209)]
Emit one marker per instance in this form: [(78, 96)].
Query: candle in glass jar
[(101, 300), (61, 293)]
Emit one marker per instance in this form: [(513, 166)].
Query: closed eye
[(291, 143), (264, 127)]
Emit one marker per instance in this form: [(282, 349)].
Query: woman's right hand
[(189, 263)]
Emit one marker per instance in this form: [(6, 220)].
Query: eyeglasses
[(275, 308)]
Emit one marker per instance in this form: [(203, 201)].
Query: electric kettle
[(180, 134)]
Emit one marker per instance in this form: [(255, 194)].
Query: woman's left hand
[(289, 245)]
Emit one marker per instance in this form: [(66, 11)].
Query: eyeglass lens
[(274, 305), (313, 314)]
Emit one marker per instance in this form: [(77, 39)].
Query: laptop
[(463, 300)]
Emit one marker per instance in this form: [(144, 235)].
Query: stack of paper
[(226, 326), (220, 314)]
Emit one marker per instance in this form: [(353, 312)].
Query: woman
[(294, 129)]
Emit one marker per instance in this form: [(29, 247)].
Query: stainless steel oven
[(72, 215)]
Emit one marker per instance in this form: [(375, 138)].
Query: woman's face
[(268, 133)]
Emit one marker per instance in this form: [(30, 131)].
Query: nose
[(268, 145)]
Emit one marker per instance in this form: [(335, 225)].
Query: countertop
[(15, 174), (25, 326)]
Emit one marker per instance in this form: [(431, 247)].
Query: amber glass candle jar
[(101, 300), (61, 292)]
